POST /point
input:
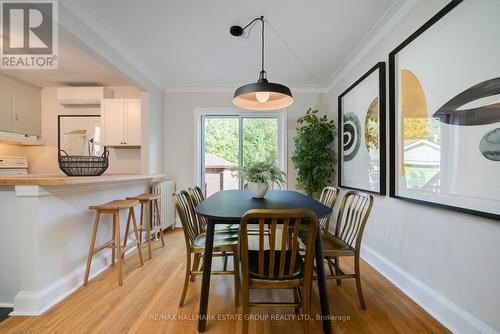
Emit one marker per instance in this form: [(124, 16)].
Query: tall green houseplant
[(314, 156)]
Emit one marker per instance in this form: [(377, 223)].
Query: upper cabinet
[(20, 107), (121, 122)]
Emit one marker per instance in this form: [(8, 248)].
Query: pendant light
[(261, 95)]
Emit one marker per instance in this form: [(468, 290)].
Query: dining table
[(229, 206)]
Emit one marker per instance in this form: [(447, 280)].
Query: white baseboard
[(6, 305), (34, 303), (452, 316)]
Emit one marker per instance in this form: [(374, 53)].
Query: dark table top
[(231, 205)]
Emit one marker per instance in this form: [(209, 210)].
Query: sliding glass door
[(221, 153), (228, 141)]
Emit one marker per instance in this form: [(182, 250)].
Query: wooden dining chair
[(328, 198), (225, 244), (197, 197), (276, 263), (351, 221)]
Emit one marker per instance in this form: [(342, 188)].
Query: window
[(227, 139)]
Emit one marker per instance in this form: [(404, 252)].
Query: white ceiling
[(187, 43), (76, 68)]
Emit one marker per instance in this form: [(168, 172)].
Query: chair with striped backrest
[(353, 214), (197, 197), (273, 261), (328, 197), (225, 244)]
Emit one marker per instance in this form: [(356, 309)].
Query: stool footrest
[(109, 244), (129, 245), (154, 229)]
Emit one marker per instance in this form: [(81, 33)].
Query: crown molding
[(391, 17), (230, 89)]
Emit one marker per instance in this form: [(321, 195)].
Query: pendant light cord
[(262, 55), (262, 19)]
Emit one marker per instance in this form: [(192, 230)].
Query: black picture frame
[(59, 117), (380, 66), (393, 90)]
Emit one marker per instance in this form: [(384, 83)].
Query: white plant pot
[(258, 189)]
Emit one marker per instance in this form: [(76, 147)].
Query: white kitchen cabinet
[(20, 107), (27, 112), (121, 122), (132, 122)]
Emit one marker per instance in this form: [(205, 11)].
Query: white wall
[(447, 261), (180, 136), (11, 150), (43, 159)]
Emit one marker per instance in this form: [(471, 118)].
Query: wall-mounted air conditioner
[(83, 95)]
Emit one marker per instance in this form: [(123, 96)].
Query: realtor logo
[(29, 34)]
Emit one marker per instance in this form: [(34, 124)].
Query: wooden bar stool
[(147, 200), (114, 208)]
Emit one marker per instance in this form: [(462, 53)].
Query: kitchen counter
[(61, 179), (46, 227)]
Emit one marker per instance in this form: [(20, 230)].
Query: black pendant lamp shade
[(261, 95)]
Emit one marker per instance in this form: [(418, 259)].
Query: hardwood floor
[(147, 303)]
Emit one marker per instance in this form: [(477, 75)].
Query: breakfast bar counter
[(61, 179), (46, 227)]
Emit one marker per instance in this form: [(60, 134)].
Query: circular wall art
[(352, 139), (490, 145)]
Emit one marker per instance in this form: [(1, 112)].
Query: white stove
[(13, 166)]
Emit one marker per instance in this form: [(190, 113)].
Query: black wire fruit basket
[(81, 165)]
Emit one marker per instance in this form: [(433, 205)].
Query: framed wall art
[(445, 111), (80, 135), (361, 143)]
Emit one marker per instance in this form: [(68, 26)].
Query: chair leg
[(246, 307), (236, 270), (296, 299), (141, 226), (330, 266), (91, 248), (136, 233), (358, 282), (148, 229), (337, 263), (158, 217), (186, 279), (307, 304), (224, 268), (113, 249), (125, 238), (196, 264), (116, 221), (201, 263)]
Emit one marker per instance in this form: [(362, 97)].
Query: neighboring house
[(422, 153), (422, 160), (218, 174)]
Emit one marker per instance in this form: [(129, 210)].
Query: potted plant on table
[(313, 156), (259, 175)]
